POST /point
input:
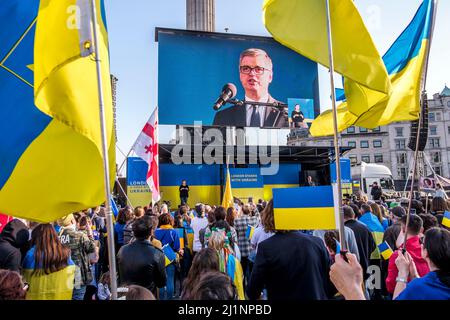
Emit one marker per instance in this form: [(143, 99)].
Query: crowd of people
[(215, 253)]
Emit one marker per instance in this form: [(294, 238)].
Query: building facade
[(388, 145)]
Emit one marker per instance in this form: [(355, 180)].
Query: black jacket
[(13, 238), (365, 242), (376, 193), (142, 264), (236, 116), (291, 266)]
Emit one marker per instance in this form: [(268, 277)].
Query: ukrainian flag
[(405, 62), (377, 230), (54, 286), (190, 235), (169, 254), (250, 231), (302, 26), (234, 271), (51, 151), (446, 219), (180, 232), (385, 250), (304, 208)]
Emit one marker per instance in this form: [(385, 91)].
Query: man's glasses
[(247, 70)]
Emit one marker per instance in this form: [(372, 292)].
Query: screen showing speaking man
[(255, 74), (221, 79)]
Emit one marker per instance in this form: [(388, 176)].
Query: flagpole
[(120, 186), (109, 216), (336, 133), (423, 98)]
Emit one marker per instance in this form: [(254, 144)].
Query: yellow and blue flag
[(234, 271), (304, 208), (249, 232), (405, 62), (52, 155), (446, 219), (376, 228), (180, 232), (302, 26), (169, 254), (57, 285), (385, 250)]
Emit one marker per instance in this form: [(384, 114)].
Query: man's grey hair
[(253, 52)]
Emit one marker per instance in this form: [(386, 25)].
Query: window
[(362, 130), (431, 116), (352, 144), (399, 131), (353, 160), (364, 144), (436, 157), (438, 116), (365, 158), (433, 130), (377, 129), (401, 158), (401, 173), (377, 144), (448, 128), (378, 158), (434, 143), (400, 144), (438, 170), (351, 129)]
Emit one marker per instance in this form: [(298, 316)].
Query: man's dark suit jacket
[(291, 266), (236, 116)]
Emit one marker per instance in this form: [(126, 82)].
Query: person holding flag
[(414, 251)]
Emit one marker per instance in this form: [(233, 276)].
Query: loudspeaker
[(423, 134)]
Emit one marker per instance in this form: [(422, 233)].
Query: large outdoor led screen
[(195, 66)]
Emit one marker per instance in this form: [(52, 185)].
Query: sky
[(134, 52)]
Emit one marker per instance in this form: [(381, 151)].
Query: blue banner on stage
[(346, 175), (136, 172), (246, 178)]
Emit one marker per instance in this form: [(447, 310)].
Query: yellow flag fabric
[(405, 62), (61, 171), (228, 195), (54, 286), (301, 25)]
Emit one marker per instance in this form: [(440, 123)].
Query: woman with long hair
[(205, 260), (47, 266), (377, 212)]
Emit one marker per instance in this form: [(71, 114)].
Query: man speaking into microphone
[(255, 73)]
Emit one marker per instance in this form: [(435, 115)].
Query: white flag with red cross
[(146, 147)]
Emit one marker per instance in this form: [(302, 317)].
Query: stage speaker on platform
[(423, 134)]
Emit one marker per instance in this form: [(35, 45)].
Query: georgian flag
[(146, 147)]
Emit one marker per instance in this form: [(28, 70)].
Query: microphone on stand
[(228, 92)]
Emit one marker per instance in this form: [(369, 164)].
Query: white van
[(368, 173)]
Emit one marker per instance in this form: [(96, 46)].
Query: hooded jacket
[(13, 238)]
